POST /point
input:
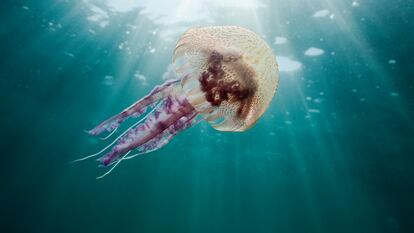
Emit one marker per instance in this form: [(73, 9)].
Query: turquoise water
[(333, 153)]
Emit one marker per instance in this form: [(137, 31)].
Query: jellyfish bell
[(225, 75), (229, 75)]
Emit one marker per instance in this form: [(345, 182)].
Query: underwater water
[(333, 153)]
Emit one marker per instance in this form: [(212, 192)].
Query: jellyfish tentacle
[(106, 147), (112, 168), (109, 135), (116, 139), (136, 109), (171, 110)]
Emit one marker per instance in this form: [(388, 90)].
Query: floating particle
[(108, 80), (321, 13), (355, 4), (287, 65), (141, 77), (312, 51), (313, 110), (318, 100), (280, 40), (69, 54)]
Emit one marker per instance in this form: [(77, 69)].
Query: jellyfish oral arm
[(173, 115), (136, 109)]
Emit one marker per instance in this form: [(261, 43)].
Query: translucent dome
[(229, 75)]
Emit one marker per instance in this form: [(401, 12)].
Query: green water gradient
[(333, 153)]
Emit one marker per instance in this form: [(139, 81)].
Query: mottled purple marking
[(163, 120), (136, 109), (162, 139)]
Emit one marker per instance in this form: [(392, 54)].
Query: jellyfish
[(225, 75)]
